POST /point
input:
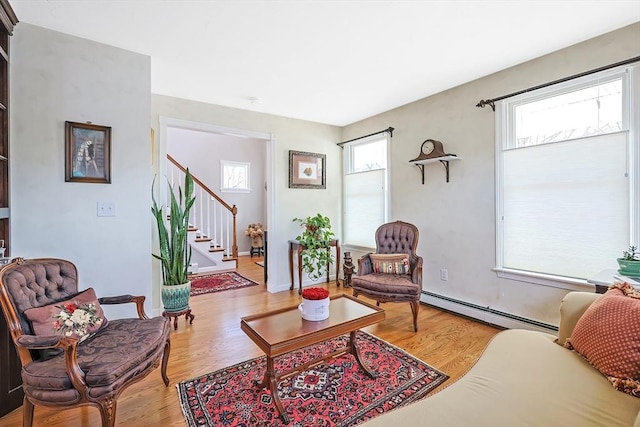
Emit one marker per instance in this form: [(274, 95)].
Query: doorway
[(181, 138)]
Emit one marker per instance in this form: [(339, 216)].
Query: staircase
[(212, 232)]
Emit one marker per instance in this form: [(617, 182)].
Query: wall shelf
[(442, 159)]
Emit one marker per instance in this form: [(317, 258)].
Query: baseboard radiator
[(485, 314)]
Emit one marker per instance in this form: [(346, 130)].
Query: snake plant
[(175, 251)]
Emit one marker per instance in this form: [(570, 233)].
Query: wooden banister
[(232, 209)]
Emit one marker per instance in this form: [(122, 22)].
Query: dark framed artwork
[(307, 170), (87, 153)]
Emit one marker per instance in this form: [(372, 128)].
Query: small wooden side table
[(295, 246), (175, 314)]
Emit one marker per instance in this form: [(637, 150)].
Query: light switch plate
[(107, 208)]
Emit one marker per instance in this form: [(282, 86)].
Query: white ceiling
[(333, 62)]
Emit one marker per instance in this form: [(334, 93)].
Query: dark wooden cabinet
[(10, 382)]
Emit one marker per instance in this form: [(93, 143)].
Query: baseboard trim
[(485, 314)]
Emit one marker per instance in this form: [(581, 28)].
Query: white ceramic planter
[(314, 309)]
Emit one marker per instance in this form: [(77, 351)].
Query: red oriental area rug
[(334, 393), (219, 282)]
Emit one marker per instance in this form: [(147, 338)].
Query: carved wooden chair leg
[(415, 306), (108, 412), (165, 359), (27, 413)]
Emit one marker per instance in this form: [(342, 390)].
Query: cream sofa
[(524, 378)]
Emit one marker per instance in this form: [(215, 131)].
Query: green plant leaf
[(175, 251)]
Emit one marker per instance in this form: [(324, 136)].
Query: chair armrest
[(364, 265), (70, 347), (43, 342), (572, 307), (416, 274), (122, 299)]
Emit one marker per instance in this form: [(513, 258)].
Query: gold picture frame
[(307, 170), (87, 153)]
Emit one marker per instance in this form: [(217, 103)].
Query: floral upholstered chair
[(71, 354), (394, 272)]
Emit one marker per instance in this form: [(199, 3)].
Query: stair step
[(230, 258), (191, 228), (203, 239), (216, 249)]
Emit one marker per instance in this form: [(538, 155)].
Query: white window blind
[(364, 207), (566, 206)]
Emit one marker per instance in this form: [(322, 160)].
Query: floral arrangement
[(315, 293), (254, 230), (76, 319)]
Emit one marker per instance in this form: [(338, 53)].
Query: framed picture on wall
[(87, 153), (307, 170)]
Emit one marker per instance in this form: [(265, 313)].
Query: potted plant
[(175, 251), (630, 262), (316, 239)]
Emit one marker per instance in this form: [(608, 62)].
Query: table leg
[(338, 263), (299, 271), (328, 263), (291, 264), (188, 316), (353, 349), (269, 381)]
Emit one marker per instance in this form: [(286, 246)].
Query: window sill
[(235, 190), (560, 282)]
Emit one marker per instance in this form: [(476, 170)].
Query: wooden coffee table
[(282, 331)]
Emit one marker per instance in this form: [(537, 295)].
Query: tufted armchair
[(61, 371), (383, 276)]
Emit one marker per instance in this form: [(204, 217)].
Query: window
[(234, 177), (568, 187), (365, 195)]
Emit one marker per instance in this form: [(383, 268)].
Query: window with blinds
[(568, 187), (365, 192)]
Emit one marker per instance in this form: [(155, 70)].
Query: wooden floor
[(447, 342)]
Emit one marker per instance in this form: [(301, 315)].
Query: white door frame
[(269, 138)]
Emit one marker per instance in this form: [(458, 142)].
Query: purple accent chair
[(93, 372), (392, 238)]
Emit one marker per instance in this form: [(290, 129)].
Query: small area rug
[(260, 263), (336, 392), (219, 282)]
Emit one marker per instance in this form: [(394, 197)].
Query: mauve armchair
[(394, 272), (60, 371)]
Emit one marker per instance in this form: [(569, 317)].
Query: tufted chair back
[(398, 237), (32, 285)]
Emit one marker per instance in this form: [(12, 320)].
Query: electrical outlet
[(106, 208), (444, 274)]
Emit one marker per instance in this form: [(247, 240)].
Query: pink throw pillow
[(608, 336), (79, 316)]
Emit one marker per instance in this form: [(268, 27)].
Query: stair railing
[(212, 216)]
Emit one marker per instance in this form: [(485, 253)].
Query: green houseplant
[(630, 262), (316, 238), (175, 251)]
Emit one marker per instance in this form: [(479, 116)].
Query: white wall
[(202, 153), (290, 134), (57, 77), (457, 219)]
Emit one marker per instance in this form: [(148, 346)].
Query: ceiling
[(333, 62)]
